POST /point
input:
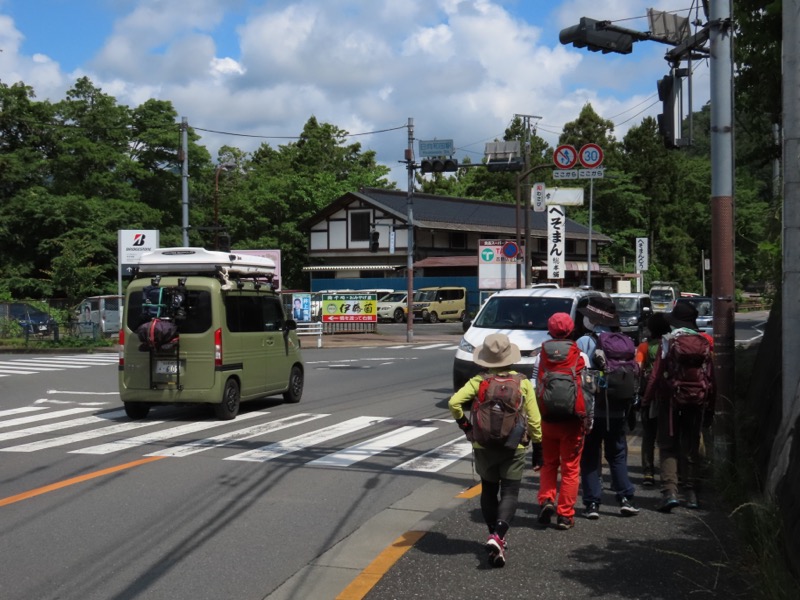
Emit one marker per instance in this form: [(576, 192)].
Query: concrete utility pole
[(722, 231), (790, 301), (410, 232), (185, 178), (524, 188)]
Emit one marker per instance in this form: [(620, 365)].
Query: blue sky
[(461, 68)]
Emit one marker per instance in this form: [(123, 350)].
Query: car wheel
[(136, 410), (295, 391), (399, 315), (231, 398), (433, 317)]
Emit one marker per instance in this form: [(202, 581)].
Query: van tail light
[(121, 349), (218, 348)]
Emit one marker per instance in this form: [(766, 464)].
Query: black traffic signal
[(438, 165), (374, 236), (669, 121), (590, 34), (502, 166)]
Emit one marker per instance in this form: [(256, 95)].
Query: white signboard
[(132, 243), (642, 255), (537, 197), (497, 264), (564, 196), (556, 231)]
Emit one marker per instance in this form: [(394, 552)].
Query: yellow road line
[(72, 481)]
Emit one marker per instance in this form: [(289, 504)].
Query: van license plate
[(168, 367)]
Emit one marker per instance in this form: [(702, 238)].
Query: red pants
[(562, 444)]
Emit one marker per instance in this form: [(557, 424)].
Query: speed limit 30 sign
[(591, 156)]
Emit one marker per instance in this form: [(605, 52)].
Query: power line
[(289, 137)]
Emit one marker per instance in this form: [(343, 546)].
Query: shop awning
[(447, 261), (352, 268)]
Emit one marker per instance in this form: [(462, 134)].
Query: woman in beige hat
[(500, 468)]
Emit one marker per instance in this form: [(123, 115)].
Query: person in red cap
[(562, 434)]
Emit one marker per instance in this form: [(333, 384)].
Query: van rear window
[(195, 316), (519, 312)]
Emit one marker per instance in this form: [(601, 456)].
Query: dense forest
[(77, 170)]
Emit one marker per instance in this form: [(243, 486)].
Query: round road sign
[(510, 250), (565, 157), (591, 156)]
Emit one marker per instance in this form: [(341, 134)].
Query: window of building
[(458, 239), (359, 225)]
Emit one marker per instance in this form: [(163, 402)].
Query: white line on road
[(437, 459), (369, 448)]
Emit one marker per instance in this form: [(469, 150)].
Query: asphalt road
[(293, 503)]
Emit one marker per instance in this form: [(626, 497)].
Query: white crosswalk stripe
[(44, 364), (46, 426)]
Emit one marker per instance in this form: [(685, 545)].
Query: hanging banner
[(537, 197), (556, 224), (642, 255)]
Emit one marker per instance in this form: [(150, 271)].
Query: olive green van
[(205, 327)]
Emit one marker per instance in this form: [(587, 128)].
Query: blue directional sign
[(435, 148)]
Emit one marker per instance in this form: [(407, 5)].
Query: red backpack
[(688, 369), (498, 415), (559, 387)]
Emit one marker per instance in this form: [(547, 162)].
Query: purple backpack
[(621, 371)]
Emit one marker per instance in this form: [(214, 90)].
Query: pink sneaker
[(496, 547)]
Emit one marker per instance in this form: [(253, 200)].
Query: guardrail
[(314, 328)]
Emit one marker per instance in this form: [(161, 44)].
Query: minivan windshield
[(662, 295), (520, 312), (627, 305)]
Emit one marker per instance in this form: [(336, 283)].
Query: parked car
[(393, 307), (705, 311), (33, 321), (99, 315), (522, 315), (633, 310), (434, 304), (663, 295)]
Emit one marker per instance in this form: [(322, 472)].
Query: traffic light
[(669, 121), (438, 165), (502, 166), (374, 236), (592, 35)]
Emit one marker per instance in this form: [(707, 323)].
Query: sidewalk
[(684, 554)]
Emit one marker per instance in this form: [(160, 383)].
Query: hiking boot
[(691, 499), (627, 509), (496, 548), (546, 512), (649, 480), (592, 511), (565, 522), (668, 502)]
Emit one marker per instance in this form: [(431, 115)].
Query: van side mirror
[(290, 325)]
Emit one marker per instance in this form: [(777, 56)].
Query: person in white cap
[(499, 467)]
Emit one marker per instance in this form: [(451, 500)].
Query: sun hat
[(560, 325), (601, 311), (496, 351), (683, 315)]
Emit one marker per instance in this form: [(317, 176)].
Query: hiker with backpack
[(565, 403), (613, 354), (682, 382), (504, 420), (646, 353)]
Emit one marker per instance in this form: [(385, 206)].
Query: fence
[(315, 328)]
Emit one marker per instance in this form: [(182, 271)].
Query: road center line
[(74, 480)]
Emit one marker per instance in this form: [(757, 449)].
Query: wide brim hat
[(601, 311), (496, 351), (683, 315)]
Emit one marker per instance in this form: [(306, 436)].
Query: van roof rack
[(195, 261)]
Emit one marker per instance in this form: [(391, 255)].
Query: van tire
[(433, 317), (295, 389), (231, 398), (136, 410), (399, 315)]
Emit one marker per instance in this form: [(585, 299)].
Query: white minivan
[(522, 315)]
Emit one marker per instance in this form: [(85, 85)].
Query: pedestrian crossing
[(346, 442), (44, 364)]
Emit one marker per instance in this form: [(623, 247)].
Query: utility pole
[(185, 179), (410, 232), (524, 186), (722, 230)]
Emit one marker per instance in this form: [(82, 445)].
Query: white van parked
[(522, 315)]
